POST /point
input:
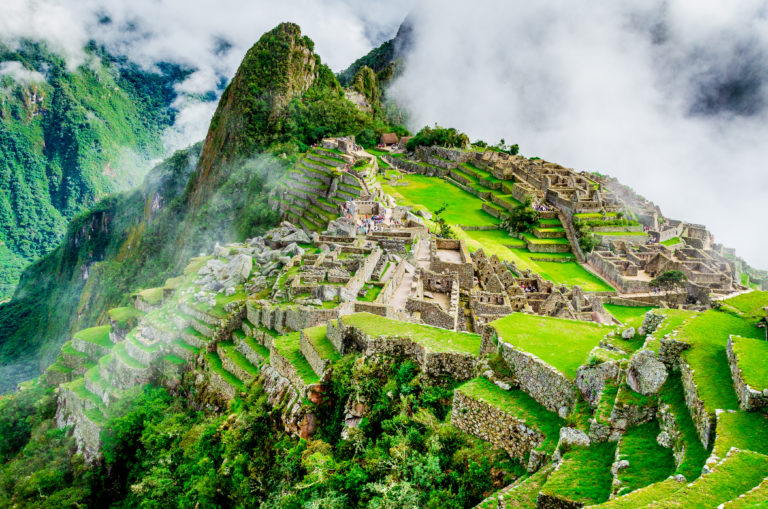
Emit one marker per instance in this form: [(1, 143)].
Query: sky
[(670, 96)]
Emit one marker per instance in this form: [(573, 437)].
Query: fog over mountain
[(668, 96)]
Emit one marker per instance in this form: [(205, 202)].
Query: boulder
[(646, 374), (664, 440), (292, 250), (297, 236), (590, 380), (619, 466), (570, 437), (341, 227), (629, 333)]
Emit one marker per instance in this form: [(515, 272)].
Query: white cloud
[(20, 73), (669, 96)]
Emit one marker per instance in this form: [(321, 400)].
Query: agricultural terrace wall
[(610, 273), (287, 319), (434, 364), (318, 364), (550, 387), (497, 427), (413, 167), (284, 367), (749, 398), (703, 421), (70, 411)]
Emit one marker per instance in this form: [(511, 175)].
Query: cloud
[(20, 73), (670, 96), (211, 37)]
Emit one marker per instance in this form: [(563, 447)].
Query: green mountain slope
[(69, 137), (138, 239)]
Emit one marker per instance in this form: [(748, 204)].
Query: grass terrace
[(695, 456), (585, 474), (437, 340), (596, 215), (525, 494), (751, 354), (644, 496), (648, 461), (708, 336), (214, 363), (564, 344), (289, 346), (96, 335), (674, 319), (432, 192), (125, 316), (119, 352), (751, 303), (152, 296), (628, 315), (737, 474), (671, 242), (323, 346), (371, 292), (519, 405), (743, 430), (239, 359)]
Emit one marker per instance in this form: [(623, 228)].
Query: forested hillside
[(70, 137)]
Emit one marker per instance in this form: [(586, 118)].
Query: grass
[(173, 359), (68, 349), (214, 362), (737, 474), (96, 335), (751, 355), (606, 403), (371, 292), (257, 347), (462, 207), (525, 494), (743, 430), (708, 336), (628, 315), (751, 303), (437, 340), (322, 345), (289, 346), (585, 474), (125, 316), (648, 461), (564, 344), (228, 348), (120, 352), (645, 496), (671, 242), (152, 296), (673, 394), (519, 405), (674, 318)]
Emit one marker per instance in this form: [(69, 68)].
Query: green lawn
[(751, 303), (432, 192), (644, 496), (438, 340), (519, 405), (96, 335), (628, 315), (671, 242), (743, 430), (585, 474), (289, 346), (152, 296), (648, 461), (752, 354), (708, 336), (564, 344), (674, 318), (371, 292), (214, 362)]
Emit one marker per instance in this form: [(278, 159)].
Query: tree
[(587, 240), (521, 219), (443, 228), (669, 281)]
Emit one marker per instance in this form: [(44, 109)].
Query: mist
[(209, 37), (669, 96)]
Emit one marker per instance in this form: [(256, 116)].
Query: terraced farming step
[(286, 357), (236, 363), (93, 342), (317, 349), (224, 382), (566, 486), (255, 352), (511, 420), (519, 494)]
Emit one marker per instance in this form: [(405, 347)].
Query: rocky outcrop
[(645, 374), (590, 380)]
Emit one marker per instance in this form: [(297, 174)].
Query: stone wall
[(550, 387), (70, 411), (228, 364), (349, 292), (465, 268), (668, 425), (92, 350), (392, 284), (319, 365), (284, 367), (493, 425), (702, 420), (221, 386), (749, 398)]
